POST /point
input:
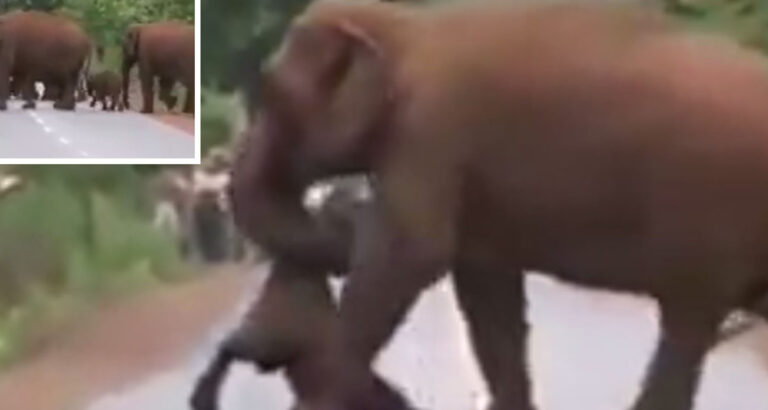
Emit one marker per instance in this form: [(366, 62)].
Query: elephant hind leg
[(189, 104), (147, 90), (66, 100), (688, 330), (166, 93), (28, 92)]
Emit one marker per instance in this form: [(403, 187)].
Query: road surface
[(588, 352), (88, 133)]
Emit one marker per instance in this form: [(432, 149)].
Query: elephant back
[(44, 41)]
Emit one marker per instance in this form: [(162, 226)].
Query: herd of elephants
[(44, 48), (601, 143)]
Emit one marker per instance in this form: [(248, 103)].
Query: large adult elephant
[(36, 45), (162, 50), (635, 160)]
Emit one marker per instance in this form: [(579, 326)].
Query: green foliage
[(74, 233), (239, 35), (106, 20), (217, 120), (745, 20), (46, 5)]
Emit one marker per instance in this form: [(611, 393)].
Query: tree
[(46, 5)]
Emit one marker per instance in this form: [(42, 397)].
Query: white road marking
[(49, 133)]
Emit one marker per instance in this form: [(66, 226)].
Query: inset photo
[(84, 81)]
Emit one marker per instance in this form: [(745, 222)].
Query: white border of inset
[(131, 161)]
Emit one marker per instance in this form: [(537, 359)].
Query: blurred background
[(109, 271)]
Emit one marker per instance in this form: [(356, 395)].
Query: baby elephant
[(105, 87), (288, 325)]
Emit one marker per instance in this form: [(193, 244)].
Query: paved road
[(88, 133), (589, 350)]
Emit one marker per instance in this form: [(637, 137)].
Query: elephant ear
[(333, 79), (131, 42)]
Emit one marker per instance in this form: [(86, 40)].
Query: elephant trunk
[(267, 206)]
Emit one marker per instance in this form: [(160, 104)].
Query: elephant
[(635, 161), (37, 45), (165, 50), (106, 86), (281, 328)]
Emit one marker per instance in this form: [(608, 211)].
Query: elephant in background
[(37, 45), (162, 50), (105, 87)]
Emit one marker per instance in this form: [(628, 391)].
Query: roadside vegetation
[(72, 236)]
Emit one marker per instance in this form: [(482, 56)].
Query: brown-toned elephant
[(36, 45), (162, 50), (105, 87), (636, 160)]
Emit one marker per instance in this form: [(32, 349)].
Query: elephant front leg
[(493, 304), (4, 91), (687, 332), (189, 103), (66, 100), (401, 251), (147, 90), (28, 92)]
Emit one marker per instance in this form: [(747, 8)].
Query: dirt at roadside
[(176, 119), (120, 343), (183, 122)]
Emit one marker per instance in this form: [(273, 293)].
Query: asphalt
[(588, 351), (45, 133)]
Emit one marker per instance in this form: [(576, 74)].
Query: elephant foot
[(383, 397), (509, 405), (203, 398), (29, 105), (59, 105), (147, 111), (3, 105), (380, 397)]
